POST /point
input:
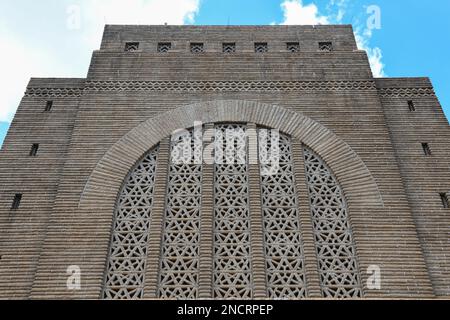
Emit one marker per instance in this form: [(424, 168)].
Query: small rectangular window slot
[(34, 150), (16, 202), (411, 106), (426, 149), (445, 200), (48, 106)]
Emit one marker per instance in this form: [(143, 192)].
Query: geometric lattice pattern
[(125, 272), (283, 244), (164, 47), (229, 47), (293, 46), (226, 86), (220, 86), (197, 48), (181, 237), (335, 246), (261, 47), (325, 46), (232, 252), (131, 46), (179, 264)]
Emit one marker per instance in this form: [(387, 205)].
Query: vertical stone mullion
[(256, 223), (156, 225), (309, 248), (206, 228)]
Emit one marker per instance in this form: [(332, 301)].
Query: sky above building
[(55, 38)]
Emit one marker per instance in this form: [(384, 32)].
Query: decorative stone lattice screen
[(232, 258), (231, 247), (181, 237), (129, 243), (335, 247), (283, 244)]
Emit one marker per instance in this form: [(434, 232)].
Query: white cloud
[(21, 60), (375, 54), (340, 15), (97, 13), (340, 6), (375, 60), (295, 12), (144, 11), (18, 64)]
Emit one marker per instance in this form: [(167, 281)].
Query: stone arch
[(104, 183), (99, 197)]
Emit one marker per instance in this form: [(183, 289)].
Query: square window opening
[(197, 48), (293, 46), (326, 46), (131, 46), (229, 47), (261, 47), (164, 47)]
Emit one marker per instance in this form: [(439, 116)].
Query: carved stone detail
[(283, 243), (232, 246), (232, 86), (179, 271), (406, 92), (125, 272), (336, 252)]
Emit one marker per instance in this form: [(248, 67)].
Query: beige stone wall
[(23, 231), (424, 177)]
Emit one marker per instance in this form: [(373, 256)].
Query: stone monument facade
[(95, 205)]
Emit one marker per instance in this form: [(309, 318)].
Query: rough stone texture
[(424, 177), (101, 126)]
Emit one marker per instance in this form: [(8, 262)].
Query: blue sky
[(55, 38)]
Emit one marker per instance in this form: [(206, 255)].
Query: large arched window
[(231, 246)]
